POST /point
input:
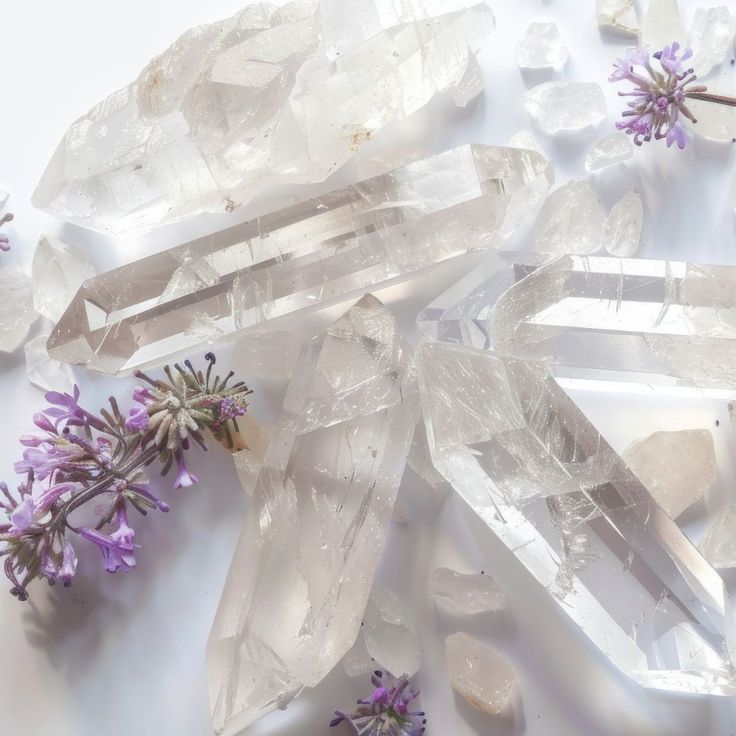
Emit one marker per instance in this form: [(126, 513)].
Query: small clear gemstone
[(608, 151), (618, 16), (622, 230), (562, 107), (541, 47), (711, 38), (467, 593), (44, 372), (16, 309)]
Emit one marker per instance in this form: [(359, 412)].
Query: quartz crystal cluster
[(380, 230), (304, 566), (273, 95)]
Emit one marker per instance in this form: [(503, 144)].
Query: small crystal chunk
[(622, 229), (677, 468), (541, 47), (479, 673), (44, 372), (467, 593), (711, 38), (618, 17), (563, 107), (571, 220), (612, 149), (16, 309)]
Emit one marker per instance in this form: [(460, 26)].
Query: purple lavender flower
[(137, 420), (184, 479), (658, 98), (118, 550), (386, 712)]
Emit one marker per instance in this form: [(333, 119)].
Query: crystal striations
[(538, 473), (270, 96), (16, 309), (304, 566), (564, 107), (467, 593), (321, 252)]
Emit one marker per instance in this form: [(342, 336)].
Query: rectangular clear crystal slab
[(327, 250)]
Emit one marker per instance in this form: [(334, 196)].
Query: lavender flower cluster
[(80, 456)]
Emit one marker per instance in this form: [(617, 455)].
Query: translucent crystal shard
[(617, 17), (622, 229), (467, 593), (564, 107), (541, 47), (304, 566), (538, 473), (44, 372), (272, 95), (711, 38), (58, 270), (479, 673), (661, 25), (608, 151), (16, 309), (324, 251)]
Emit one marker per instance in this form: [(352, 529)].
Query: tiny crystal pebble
[(479, 673), (622, 230), (16, 309), (608, 151), (719, 544), (564, 107), (677, 468), (571, 220), (57, 272), (467, 593), (541, 47), (617, 17), (44, 372), (661, 25), (711, 38)]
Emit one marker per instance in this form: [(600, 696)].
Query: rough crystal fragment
[(661, 25), (16, 309), (304, 566), (58, 270), (622, 230), (711, 38), (719, 544), (608, 151), (479, 673), (239, 107), (618, 17), (571, 220), (321, 252), (541, 47), (467, 593), (677, 468), (563, 107), (539, 474), (44, 372)]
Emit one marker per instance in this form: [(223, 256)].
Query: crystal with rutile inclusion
[(539, 474), (566, 107), (328, 250), (271, 96), (304, 566)]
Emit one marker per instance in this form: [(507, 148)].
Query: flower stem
[(708, 97)]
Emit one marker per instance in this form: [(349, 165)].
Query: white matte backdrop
[(124, 655)]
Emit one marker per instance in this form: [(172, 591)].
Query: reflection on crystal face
[(304, 566), (538, 473), (378, 231), (273, 95)]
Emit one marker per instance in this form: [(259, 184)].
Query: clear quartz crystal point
[(612, 149), (479, 673), (237, 108), (325, 251), (617, 17), (711, 38), (566, 107), (622, 229), (538, 473), (467, 593), (16, 309), (541, 47), (44, 372), (304, 566), (57, 272), (661, 25), (677, 468)]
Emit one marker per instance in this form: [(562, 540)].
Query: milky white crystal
[(622, 229), (16, 309), (711, 38), (467, 593), (661, 25), (571, 220), (676, 467), (238, 108), (719, 544), (563, 107), (304, 566), (57, 272), (541, 47), (617, 16), (608, 151), (479, 673), (44, 372)]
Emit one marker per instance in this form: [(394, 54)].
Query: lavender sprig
[(386, 712), (83, 456)]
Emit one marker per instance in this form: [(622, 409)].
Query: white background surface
[(124, 655)]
